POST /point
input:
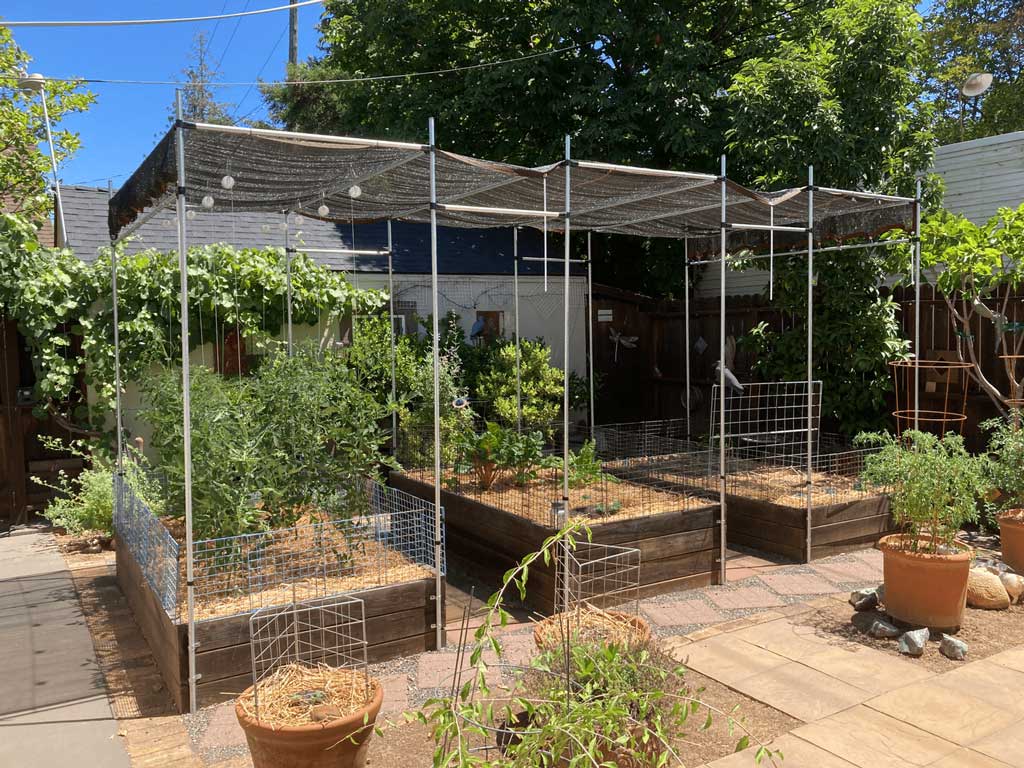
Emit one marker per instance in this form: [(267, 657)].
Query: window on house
[(488, 326)]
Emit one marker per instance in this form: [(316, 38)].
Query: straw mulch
[(786, 486), (305, 564), (295, 695), (590, 624), (603, 501)]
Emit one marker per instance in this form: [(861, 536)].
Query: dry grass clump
[(296, 694), (590, 624)]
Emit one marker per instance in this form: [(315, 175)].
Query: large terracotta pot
[(926, 590), (641, 630), (339, 743), (1011, 537)]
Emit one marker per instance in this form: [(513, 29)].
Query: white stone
[(1014, 586), (985, 590)]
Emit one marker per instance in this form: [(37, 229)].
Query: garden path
[(54, 709)]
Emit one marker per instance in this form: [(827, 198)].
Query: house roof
[(460, 251)]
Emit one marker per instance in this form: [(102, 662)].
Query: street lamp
[(973, 87), (37, 84)]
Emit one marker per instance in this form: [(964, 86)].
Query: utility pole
[(293, 33)]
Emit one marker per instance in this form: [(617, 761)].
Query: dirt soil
[(985, 632), (603, 501)]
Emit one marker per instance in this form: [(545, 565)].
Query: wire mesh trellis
[(328, 632), (634, 439), (391, 541), (600, 575), (771, 415), (152, 546)]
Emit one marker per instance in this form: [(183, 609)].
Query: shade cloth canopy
[(363, 180)]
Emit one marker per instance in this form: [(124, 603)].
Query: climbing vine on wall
[(47, 291)]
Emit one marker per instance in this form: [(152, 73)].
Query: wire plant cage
[(940, 386), (327, 633), (596, 575)]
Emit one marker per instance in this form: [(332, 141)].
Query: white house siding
[(745, 283), (982, 175)]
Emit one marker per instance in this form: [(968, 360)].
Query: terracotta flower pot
[(341, 743), (1011, 537), (923, 589), (641, 630)]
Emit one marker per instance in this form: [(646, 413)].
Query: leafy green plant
[(587, 704), (934, 484), (522, 455), (296, 438), (85, 503), (1005, 464), (585, 467), (540, 382)]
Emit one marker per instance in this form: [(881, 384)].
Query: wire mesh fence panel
[(600, 575), (327, 633), (151, 545), (770, 417), (642, 438)]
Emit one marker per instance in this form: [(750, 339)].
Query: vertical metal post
[(810, 353), (118, 413), (917, 305), (721, 385), (544, 182), (590, 335), (515, 290), (439, 591), (771, 253), (53, 165), (394, 352), (186, 398), (565, 333), (686, 327), (288, 279)]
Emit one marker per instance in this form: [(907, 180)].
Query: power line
[(231, 39), (248, 90), (140, 22), (333, 81)]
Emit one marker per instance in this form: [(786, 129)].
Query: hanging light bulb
[(299, 219), (322, 211), (355, 191), (207, 202), (283, 226), (190, 215), (265, 228), (228, 182)]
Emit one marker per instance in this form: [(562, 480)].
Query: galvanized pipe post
[(565, 332), (721, 385), (394, 353), (810, 353), (515, 291), (438, 585)]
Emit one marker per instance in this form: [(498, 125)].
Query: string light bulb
[(207, 202), (323, 211), (228, 182), (190, 215), (355, 191)]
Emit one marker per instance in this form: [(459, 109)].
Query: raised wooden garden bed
[(399, 621), (766, 509), (678, 540)]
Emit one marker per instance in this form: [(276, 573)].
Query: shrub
[(85, 504), (540, 381), (934, 484), (1005, 465)]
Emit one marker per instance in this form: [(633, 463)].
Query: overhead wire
[(143, 22)]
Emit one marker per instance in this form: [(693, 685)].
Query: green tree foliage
[(541, 383), (647, 83), (969, 36), (971, 265), (24, 167), (198, 95)]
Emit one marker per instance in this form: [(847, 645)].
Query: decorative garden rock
[(912, 643), (952, 648), (864, 599), (985, 590), (881, 628), (1014, 586), (880, 591)]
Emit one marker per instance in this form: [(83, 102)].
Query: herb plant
[(1006, 463), (934, 485)]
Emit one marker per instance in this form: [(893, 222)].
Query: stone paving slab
[(1006, 746), (872, 671), (953, 715), (798, 583), (969, 758), (846, 572), (997, 686), (796, 752), (1012, 659), (800, 692), (870, 739), (744, 598), (682, 612), (728, 659)]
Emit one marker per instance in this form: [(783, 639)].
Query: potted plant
[(934, 486), (1006, 470), (310, 717)]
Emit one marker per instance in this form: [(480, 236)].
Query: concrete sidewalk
[(53, 702)]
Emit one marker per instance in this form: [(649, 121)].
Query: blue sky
[(124, 123)]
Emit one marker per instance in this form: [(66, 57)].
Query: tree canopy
[(778, 84), (969, 36), (24, 167)]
